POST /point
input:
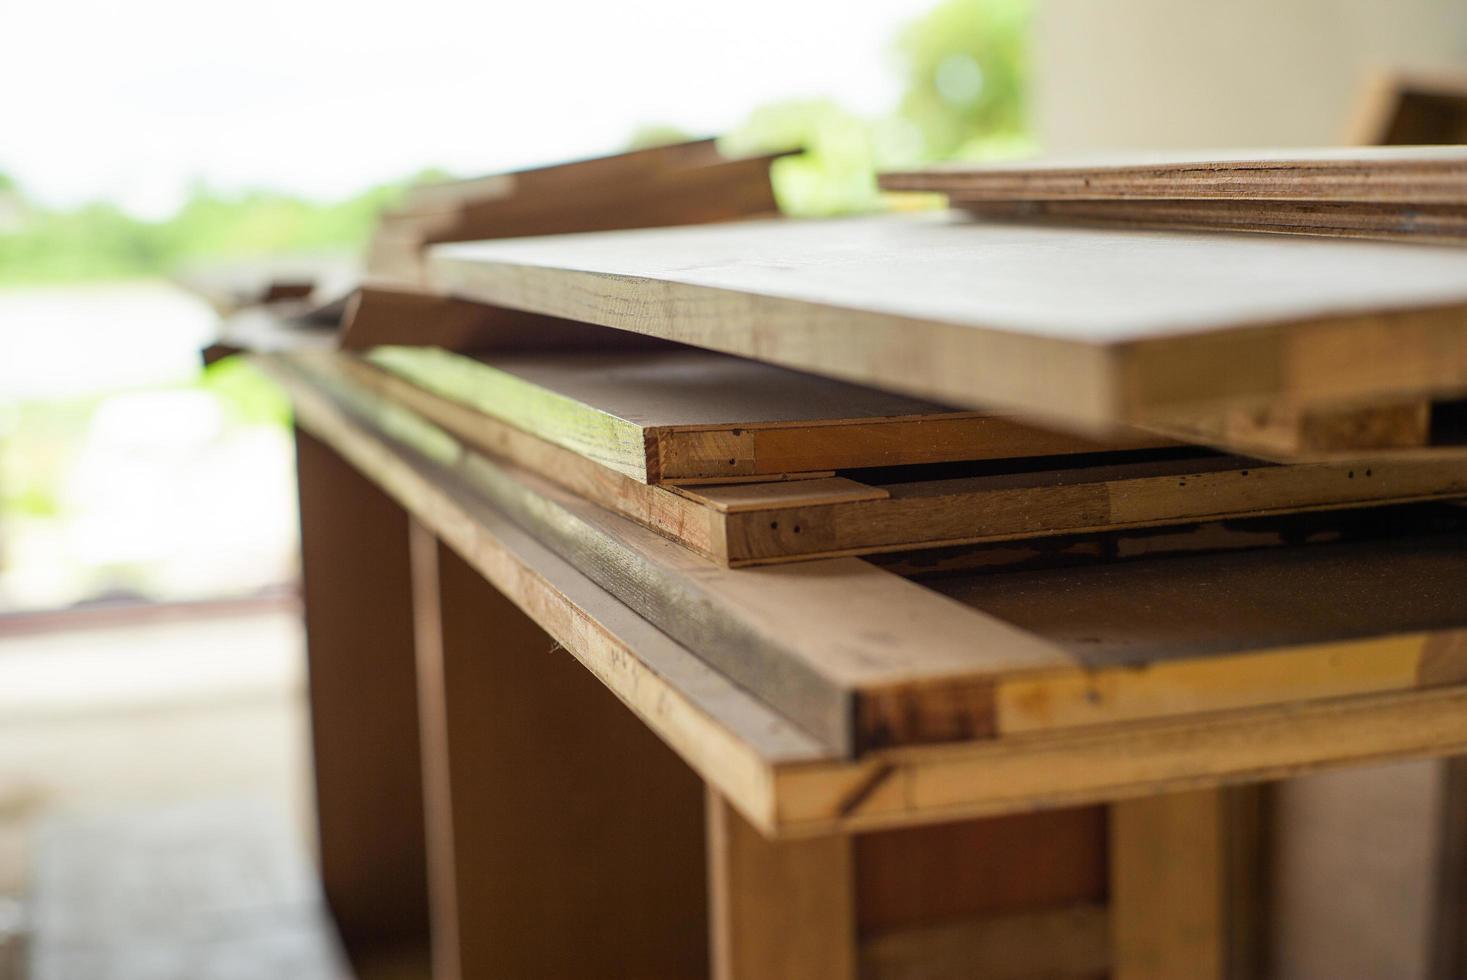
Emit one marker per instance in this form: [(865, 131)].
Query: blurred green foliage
[(100, 241), (964, 66)]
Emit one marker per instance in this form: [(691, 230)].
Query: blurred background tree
[(963, 66)]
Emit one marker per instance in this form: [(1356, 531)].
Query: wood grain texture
[(684, 183), (1169, 903), (363, 703), (1414, 174), (781, 910), (687, 415), (863, 659), (1435, 223), (1071, 943), (1148, 325), (760, 523), (599, 856), (378, 315), (972, 869), (783, 782)]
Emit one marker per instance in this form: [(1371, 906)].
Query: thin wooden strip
[(1069, 942), (1421, 175), (718, 728), (937, 783), (704, 416), (780, 910), (940, 513), (1442, 224), (734, 498)]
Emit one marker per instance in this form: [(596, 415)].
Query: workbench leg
[(364, 717), (1186, 884), (565, 840), (780, 910)]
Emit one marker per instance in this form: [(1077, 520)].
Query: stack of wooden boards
[(1407, 193), (967, 399)]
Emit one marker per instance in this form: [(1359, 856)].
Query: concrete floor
[(158, 711)]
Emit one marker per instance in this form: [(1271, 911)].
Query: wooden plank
[(1168, 902), (860, 659), (377, 315), (687, 415), (781, 910), (1414, 174), (362, 693), (599, 857), (685, 183), (900, 787), (1289, 432), (1066, 944), (1146, 326), (1431, 223), (754, 523)]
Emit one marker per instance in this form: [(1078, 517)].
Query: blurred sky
[(132, 102)]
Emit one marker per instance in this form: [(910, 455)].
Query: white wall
[(1112, 74)]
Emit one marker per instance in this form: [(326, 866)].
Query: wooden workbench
[(937, 765)]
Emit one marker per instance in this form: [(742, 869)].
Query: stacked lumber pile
[(1407, 193), (662, 408)]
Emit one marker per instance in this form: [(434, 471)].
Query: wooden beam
[(1185, 886), (362, 692), (780, 910), (565, 835)]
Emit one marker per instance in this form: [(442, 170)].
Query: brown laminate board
[(1088, 326), (1412, 174), (687, 415)]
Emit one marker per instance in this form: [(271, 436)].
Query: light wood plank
[(781, 910), (687, 415), (967, 313), (1168, 901)]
